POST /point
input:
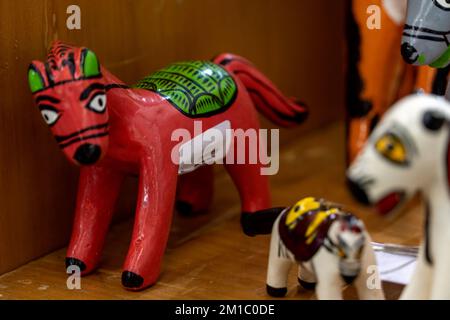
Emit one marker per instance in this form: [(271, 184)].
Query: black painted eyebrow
[(47, 98), (85, 94), (47, 107)]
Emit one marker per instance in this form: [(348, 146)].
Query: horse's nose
[(409, 53), (87, 154), (358, 192)]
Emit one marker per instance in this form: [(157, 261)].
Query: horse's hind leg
[(195, 191), (306, 278), (278, 267), (253, 188)]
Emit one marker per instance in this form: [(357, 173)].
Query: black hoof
[(276, 292), (307, 285), (247, 224), (131, 280), (349, 279), (259, 222), (75, 262)]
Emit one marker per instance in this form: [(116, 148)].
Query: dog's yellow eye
[(392, 148)]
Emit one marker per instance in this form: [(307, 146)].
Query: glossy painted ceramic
[(377, 74), (407, 153), (113, 130), (426, 37), (330, 246)]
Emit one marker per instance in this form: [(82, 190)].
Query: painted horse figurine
[(409, 152), (330, 246), (426, 38), (113, 130)]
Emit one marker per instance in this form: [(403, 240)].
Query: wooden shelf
[(208, 256)]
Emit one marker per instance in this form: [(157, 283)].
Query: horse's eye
[(443, 4), (98, 103), (50, 116), (392, 148)]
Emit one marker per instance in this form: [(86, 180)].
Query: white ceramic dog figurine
[(330, 246), (409, 152)]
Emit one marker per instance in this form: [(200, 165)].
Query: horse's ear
[(433, 120), (35, 78), (90, 65)]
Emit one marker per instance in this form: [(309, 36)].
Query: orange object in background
[(377, 74)]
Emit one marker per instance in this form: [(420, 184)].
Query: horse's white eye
[(443, 4), (98, 103), (50, 116)]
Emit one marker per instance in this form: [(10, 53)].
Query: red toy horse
[(113, 130)]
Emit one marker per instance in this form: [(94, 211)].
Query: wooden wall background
[(297, 43)]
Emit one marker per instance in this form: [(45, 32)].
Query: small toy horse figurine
[(113, 130), (409, 152), (330, 246)]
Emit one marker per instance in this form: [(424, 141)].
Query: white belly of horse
[(206, 148)]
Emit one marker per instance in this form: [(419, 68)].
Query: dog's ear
[(433, 120)]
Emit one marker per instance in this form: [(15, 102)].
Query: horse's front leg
[(97, 193), (419, 287), (278, 267), (157, 187), (329, 280), (306, 278), (368, 283)]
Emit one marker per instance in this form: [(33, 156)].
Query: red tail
[(266, 96)]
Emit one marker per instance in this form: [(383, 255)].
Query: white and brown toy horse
[(409, 152), (331, 248)]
